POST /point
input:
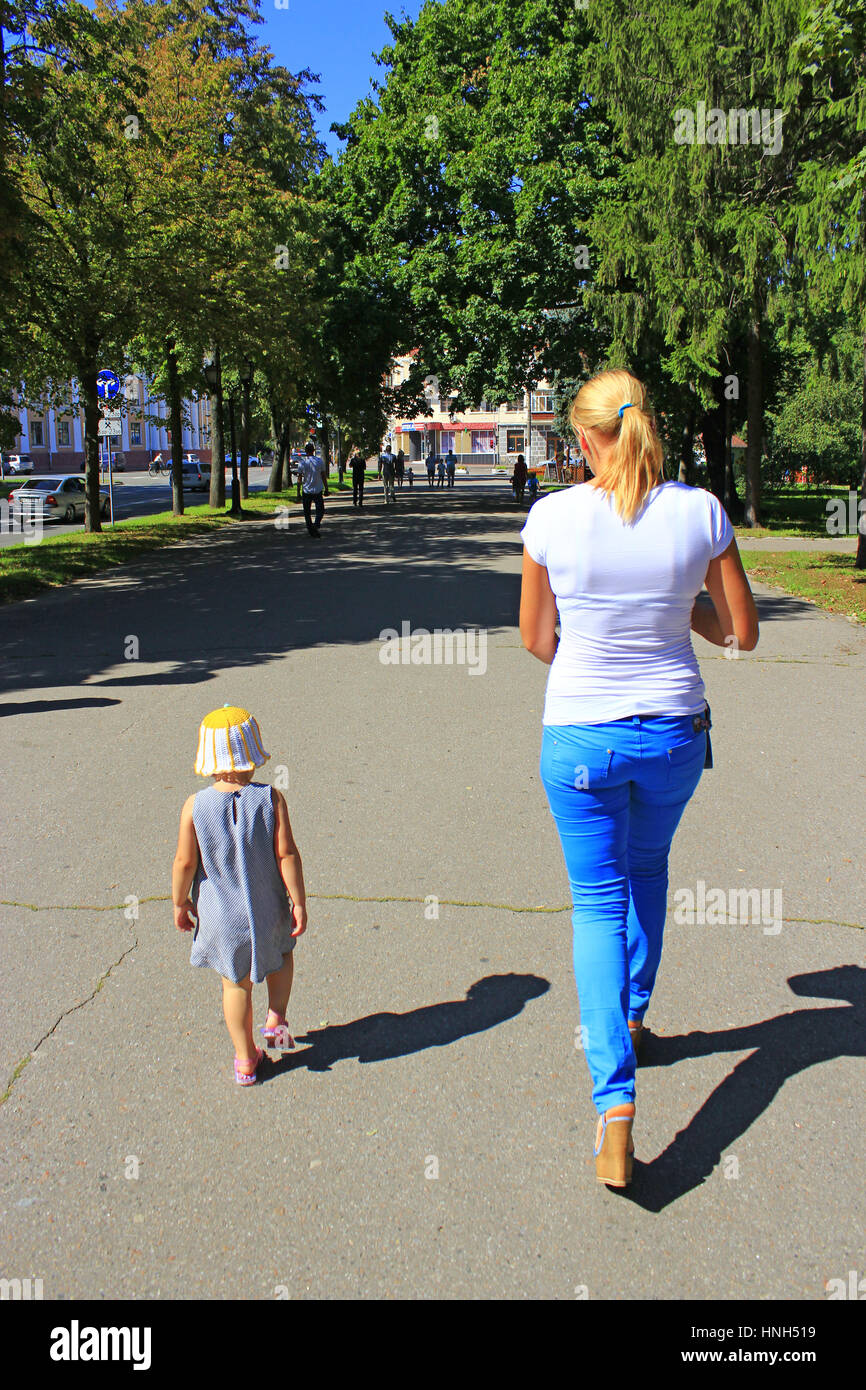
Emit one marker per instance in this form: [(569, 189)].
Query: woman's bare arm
[(538, 613), (733, 617)]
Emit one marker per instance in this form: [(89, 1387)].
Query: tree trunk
[(325, 438), (712, 427), (217, 497), (730, 498), (92, 416), (860, 561), (174, 406), (275, 481), (245, 441), (687, 448), (755, 421), (285, 473)]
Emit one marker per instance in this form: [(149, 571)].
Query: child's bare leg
[(279, 989), (238, 1014)]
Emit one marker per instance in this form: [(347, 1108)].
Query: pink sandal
[(248, 1078), (278, 1035)]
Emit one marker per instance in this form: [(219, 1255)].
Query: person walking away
[(237, 883), (619, 562), (450, 467), (400, 467), (519, 478), (532, 488), (313, 480), (358, 464), (387, 462), (431, 468), (440, 471), (410, 475)]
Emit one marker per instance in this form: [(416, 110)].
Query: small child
[(410, 475), (236, 861)]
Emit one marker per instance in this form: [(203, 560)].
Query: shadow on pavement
[(775, 606), (381, 1037), (250, 595), (783, 1047), (51, 706)]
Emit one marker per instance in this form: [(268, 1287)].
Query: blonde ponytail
[(616, 405)]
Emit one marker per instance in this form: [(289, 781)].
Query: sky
[(336, 38)]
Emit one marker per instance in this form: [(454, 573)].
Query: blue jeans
[(617, 792)]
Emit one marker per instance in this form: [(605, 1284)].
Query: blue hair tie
[(624, 407)]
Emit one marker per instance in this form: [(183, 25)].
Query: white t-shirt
[(313, 473), (625, 596)]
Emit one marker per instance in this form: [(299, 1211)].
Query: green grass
[(56, 560), (830, 581), (794, 511)]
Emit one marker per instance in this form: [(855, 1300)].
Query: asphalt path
[(431, 1135)]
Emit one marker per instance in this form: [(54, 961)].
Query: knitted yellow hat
[(229, 740)]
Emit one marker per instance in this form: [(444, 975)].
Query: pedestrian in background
[(358, 464), (431, 468), (313, 480), (450, 467), (237, 883), (399, 467), (519, 478), (440, 471), (619, 563), (387, 462)]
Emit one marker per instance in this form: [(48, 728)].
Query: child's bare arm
[(183, 869), (289, 861)]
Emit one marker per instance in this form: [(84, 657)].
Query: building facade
[(492, 435), (54, 436)]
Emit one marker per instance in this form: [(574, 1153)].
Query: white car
[(16, 463), (55, 498)]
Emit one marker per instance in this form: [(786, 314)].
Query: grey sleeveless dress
[(244, 917)]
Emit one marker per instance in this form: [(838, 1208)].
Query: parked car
[(58, 498), (16, 463), (196, 476)]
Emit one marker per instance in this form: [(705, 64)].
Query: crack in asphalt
[(19, 1067), (359, 898)]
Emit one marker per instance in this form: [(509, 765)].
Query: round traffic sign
[(107, 384)]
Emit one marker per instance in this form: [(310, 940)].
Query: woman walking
[(619, 562)]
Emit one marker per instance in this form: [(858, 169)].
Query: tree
[(700, 97), (472, 177), (830, 58), (69, 163)]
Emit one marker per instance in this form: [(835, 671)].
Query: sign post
[(107, 387)]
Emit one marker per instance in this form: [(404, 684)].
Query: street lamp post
[(246, 377)]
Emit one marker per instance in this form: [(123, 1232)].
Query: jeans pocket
[(585, 769), (686, 757)]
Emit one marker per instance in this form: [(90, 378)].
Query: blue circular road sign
[(107, 385)]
